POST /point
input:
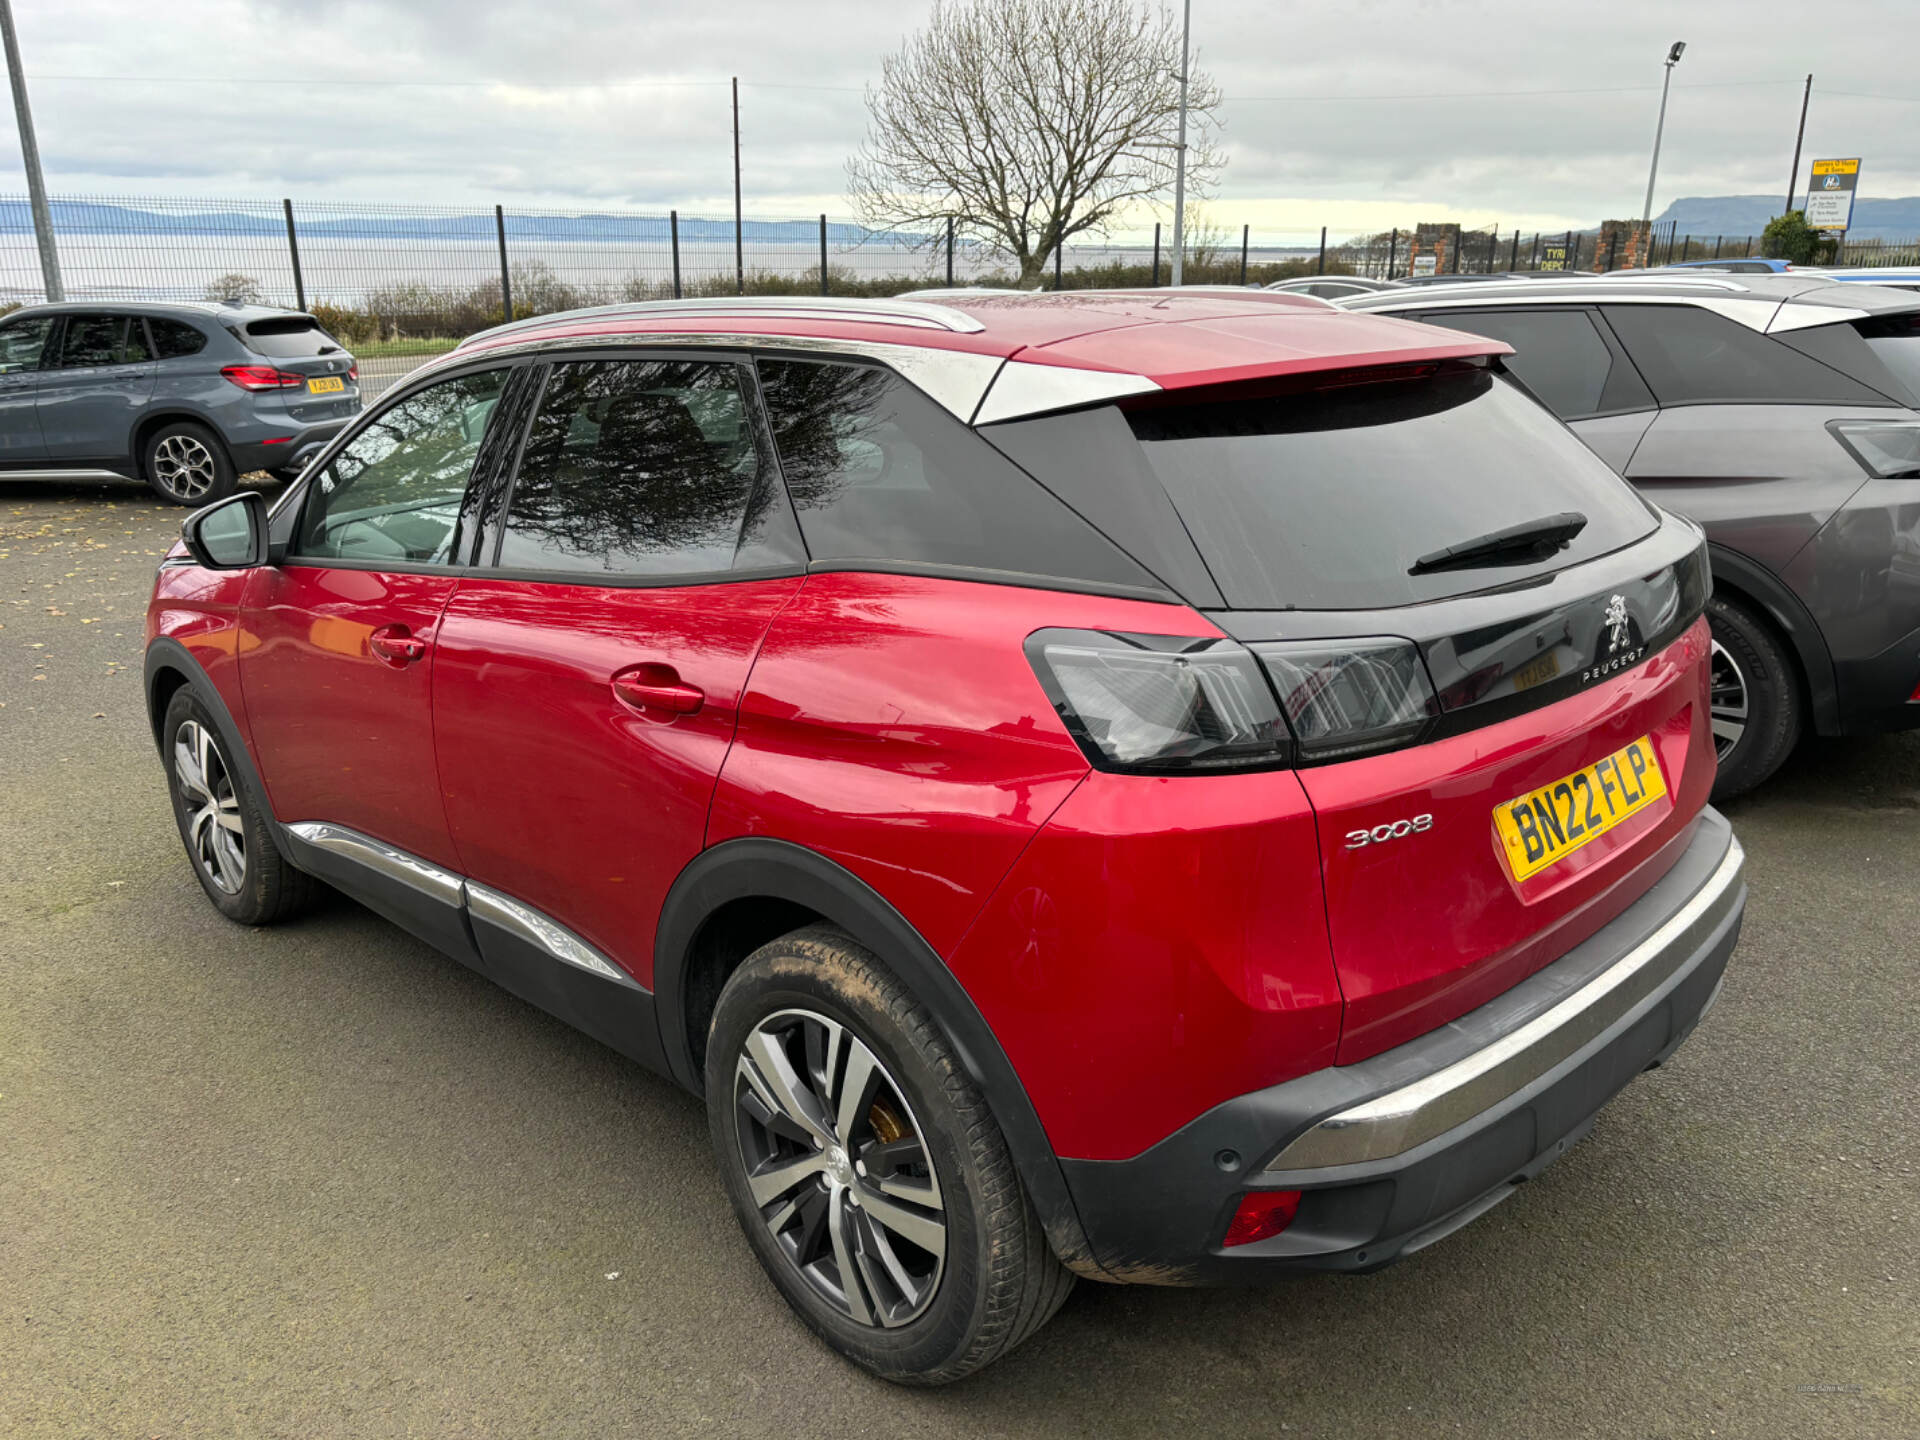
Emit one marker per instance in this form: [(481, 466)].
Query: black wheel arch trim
[(759, 868), (175, 413), (1788, 614), (164, 653)]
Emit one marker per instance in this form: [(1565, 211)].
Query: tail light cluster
[(263, 377), (1161, 704)]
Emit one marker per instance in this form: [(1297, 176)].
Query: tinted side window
[(91, 340), (1690, 355), (134, 347), (21, 343), (634, 467), (877, 471), (174, 338), (1559, 355), (394, 492)]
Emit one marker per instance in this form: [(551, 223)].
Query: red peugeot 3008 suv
[(1165, 787)]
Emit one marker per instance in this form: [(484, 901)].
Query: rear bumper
[(251, 454), (1876, 692), (1399, 1150)]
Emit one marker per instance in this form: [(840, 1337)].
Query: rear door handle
[(395, 645), (658, 687)]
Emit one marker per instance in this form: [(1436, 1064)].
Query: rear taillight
[(1350, 697), (263, 377), (353, 371), (1164, 704), (1160, 703), (1261, 1215)]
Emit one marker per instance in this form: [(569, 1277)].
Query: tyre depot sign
[(1830, 194)]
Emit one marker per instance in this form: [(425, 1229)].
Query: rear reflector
[(263, 377), (278, 440), (1262, 1215)]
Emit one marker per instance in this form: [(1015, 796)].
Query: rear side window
[(1895, 342), (634, 468), (877, 471), (173, 339), (1324, 499), (1689, 356), (92, 340), (289, 338), (1560, 355)]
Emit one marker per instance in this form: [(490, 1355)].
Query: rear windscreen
[(1324, 500), (289, 338)]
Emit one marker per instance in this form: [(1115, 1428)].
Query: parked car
[(1072, 796), (187, 397), (1890, 277), (1780, 413), (1332, 287)]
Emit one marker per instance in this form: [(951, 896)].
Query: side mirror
[(230, 534)]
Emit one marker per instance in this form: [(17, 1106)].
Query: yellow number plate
[(1552, 822), (332, 385)]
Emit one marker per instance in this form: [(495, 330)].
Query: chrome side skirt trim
[(456, 892), (91, 473), (410, 870), (1396, 1122), (543, 933)]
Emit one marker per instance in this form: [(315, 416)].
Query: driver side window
[(393, 494)]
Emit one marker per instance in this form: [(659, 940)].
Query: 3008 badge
[(1393, 830)]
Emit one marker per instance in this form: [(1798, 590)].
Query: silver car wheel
[(184, 466), (1727, 701), (216, 836), (836, 1163)]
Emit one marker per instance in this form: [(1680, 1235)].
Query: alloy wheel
[(184, 466), (838, 1167), (1727, 701), (215, 834)]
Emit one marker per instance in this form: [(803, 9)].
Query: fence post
[(1455, 257), (1321, 267), (1716, 245), (1534, 264), (293, 253), (823, 255), (1686, 249), (1393, 253), (506, 281), (1613, 245), (1156, 254), (1059, 259), (673, 229), (1245, 231), (1513, 253), (949, 252)]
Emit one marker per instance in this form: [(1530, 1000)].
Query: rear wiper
[(1515, 545)]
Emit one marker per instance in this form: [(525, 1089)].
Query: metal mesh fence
[(409, 279)]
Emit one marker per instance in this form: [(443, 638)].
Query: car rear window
[(289, 338), (1323, 500)]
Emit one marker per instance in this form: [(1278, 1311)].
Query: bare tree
[(1027, 122)]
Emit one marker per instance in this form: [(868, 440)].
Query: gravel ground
[(319, 1181)]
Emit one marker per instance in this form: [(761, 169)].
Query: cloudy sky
[(1365, 114)]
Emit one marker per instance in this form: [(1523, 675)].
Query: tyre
[(223, 824), (1755, 698), (865, 1168), (187, 464)]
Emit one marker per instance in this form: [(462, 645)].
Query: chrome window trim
[(1394, 1123), (1803, 317), (383, 859), (542, 932), (955, 380), (1022, 388)]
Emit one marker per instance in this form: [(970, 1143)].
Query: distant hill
[(1748, 215)]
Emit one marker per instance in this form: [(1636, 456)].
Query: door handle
[(658, 687), (394, 645)]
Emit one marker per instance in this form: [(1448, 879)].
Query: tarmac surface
[(319, 1181)]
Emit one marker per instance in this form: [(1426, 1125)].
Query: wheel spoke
[(925, 1231), (187, 769), (856, 1089), (779, 1085), (227, 816), (776, 1180), (1728, 730), (840, 1227)]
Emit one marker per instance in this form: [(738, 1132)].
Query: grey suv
[(1781, 414), (186, 397)]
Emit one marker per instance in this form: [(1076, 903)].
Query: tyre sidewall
[(1773, 698), (225, 481), (786, 979), (250, 904)]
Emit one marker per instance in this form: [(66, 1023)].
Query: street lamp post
[(1673, 59), (1180, 154)]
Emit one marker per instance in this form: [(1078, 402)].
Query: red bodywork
[(1143, 947)]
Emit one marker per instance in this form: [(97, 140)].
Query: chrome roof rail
[(1651, 277), (913, 314)]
